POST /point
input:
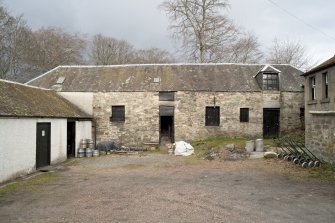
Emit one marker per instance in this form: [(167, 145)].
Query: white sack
[(183, 149)]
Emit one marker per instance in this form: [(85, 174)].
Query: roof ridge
[(50, 71), (144, 65), (168, 64), (25, 85)]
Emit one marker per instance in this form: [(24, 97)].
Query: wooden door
[(43, 144), (271, 122)]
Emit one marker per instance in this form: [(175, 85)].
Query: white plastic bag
[(183, 149)]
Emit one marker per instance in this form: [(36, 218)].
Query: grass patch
[(201, 147), (326, 173), (29, 184)]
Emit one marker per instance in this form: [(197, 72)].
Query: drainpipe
[(95, 133)]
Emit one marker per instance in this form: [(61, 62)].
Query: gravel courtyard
[(162, 188)]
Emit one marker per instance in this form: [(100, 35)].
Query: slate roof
[(17, 100), (322, 66), (164, 77)]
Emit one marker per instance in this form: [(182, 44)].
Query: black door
[(271, 122), (71, 139), (43, 145)]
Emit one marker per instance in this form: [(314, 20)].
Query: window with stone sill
[(118, 113)]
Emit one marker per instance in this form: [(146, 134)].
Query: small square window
[(212, 116), (244, 114), (118, 114), (166, 96)]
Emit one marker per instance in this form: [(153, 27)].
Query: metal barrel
[(250, 146), (81, 153), (259, 145), (83, 144), (90, 144), (96, 153), (88, 152)]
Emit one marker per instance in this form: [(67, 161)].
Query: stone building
[(320, 110), (37, 128), (149, 104)]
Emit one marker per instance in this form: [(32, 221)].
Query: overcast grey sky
[(143, 24)]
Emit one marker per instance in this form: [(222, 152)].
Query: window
[(118, 114), (166, 96), (270, 81), (325, 84), (244, 114), (313, 88), (212, 116)]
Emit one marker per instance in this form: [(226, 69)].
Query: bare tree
[(153, 55), (245, 50), (204, 32), (13, 33), (107, 51), (54, 47), (289, 52)]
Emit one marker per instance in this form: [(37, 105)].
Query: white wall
[(83, 100), (83, 131), (18, 145)]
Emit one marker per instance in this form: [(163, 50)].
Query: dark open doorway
[(271, 122), (166, 129), (71, 139), (43, 135)]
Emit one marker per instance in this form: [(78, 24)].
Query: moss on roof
[(172, 77), (17, 100)]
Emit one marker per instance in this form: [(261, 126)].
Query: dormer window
[(268, 78), (270, 81)]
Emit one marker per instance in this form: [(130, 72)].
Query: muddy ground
[(162, 188)]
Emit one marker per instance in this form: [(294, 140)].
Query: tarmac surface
[(162, 188)]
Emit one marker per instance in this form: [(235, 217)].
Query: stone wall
[(320, 136), (190, 114), (290, 105), (142, 115), (320, 116)]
